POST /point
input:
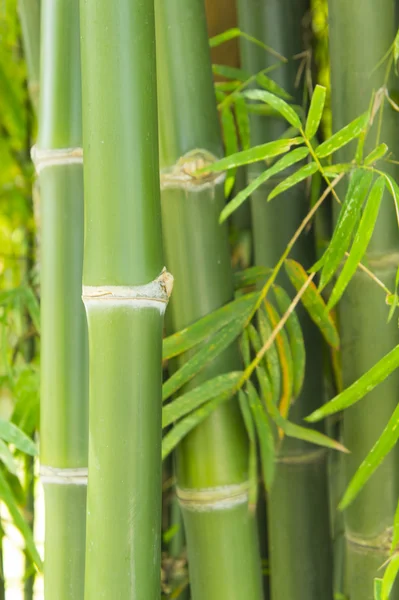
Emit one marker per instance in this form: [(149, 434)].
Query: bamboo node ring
[(43, 158), (210, 499), (184, 174), (63, 476)]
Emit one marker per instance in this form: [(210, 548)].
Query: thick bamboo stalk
[(125, 298), (64, 394), (298, 511), (29, 14), (212, 461), (365, 334)]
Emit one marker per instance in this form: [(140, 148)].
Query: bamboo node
[(380, 542), (157, 292), (43, 158), (63, 476), (184, 174), (210, 499)]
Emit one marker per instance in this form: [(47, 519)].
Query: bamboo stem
[(125, 298)]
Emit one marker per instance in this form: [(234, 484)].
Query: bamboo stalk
[(298, 512), (64, 396), (125, 298), (366, 336), (29, 14), (212, 461)]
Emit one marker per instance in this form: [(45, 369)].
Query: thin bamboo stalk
[(298, 511), (64, 394), (212, 461), (29, 14), (125, 298), (365, 334)]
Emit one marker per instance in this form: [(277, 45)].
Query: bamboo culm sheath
[(298, 503), (212, 461), (64, 377)]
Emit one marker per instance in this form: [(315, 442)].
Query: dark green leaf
[(390, 576), (265, 435), (360, 388), (252, 464), (278, 104), (315, 111), (343, 136), (297, 177), (271, 357), (251, 276), (242, 119)]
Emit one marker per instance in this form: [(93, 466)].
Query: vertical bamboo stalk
[(125, 293), (64, 395), (212, 460), (29, 14), (298, 512), (365, 335)]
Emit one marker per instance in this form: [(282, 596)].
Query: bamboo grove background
[(272, 170)]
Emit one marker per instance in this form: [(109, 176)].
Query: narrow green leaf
[(295, 337), (343, 136), (395, 535), (333, 171), (377, 589), (379, 451), (315, 111), (297, 177), (208, 352), (278, 104), (183, 427), (230, 72), (194, 398), (252, 463), (255, 154), (396, 49), (390, 576), (361, 241), (360, 388), (376, 154), (251, 276), (197, 332), (393, 188), (245, 347), (265, 436), (7, 458), (271, 357), (7, 497), (233, 33), (349, 215), (313, 302), (288, 160), (271, 86), (242, 120), (13, 435)]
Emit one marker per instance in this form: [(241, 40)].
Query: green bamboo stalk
[(212, 461), (125, 297), (64, 381), (298, 512), (29, 14), (365, 335)]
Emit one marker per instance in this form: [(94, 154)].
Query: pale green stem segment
[(366, 336), (124, 299), (64, 374), (212, 461), (298, 504)]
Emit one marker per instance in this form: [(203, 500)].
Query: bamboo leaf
[(393, 188), (278, 104), (251, 276), (233, 33), (313, 302), (183, 427), (197, 332), (286, 362), (295, 336), (395, 535), (376, 154), (245, 346), (300, 175), (271, 86), (361, 241), (377, 589), (288, 160), (7, 497), (359, 388), (396, 49), (7, 458), (381, 448), (208, 352), (230, 72), (342, 137), (194, 398), (254, 154), (242, 119), (231, 145), (271, 357), (315, 111), (265, 435), (13, 435), (348, 218), (252, 462), (333, 171), (390, 576)]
